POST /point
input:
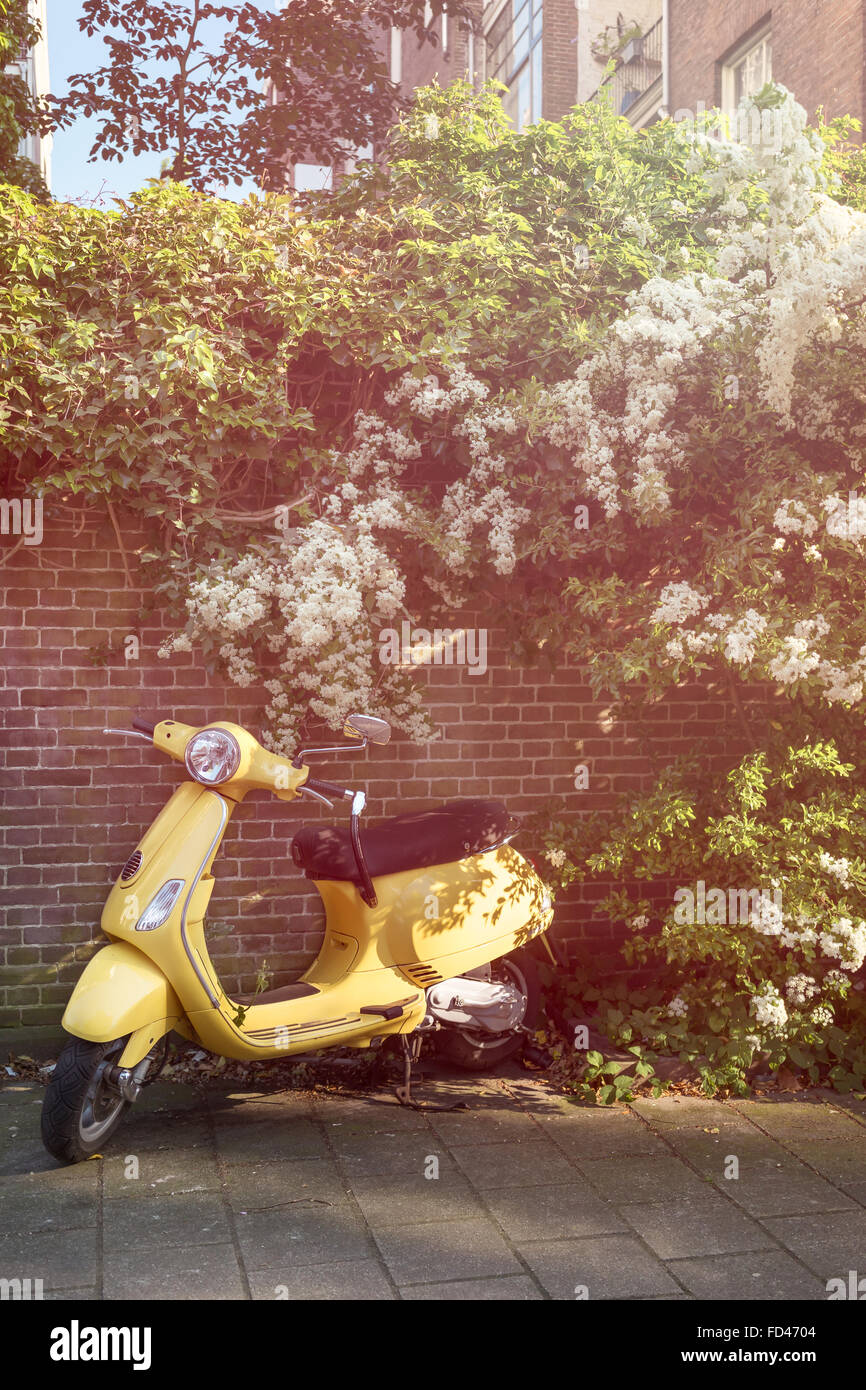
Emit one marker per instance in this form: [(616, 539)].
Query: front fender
[(121, 991)]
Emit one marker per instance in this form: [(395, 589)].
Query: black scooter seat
[(418, 840)]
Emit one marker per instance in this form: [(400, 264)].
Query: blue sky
[(72, 177)]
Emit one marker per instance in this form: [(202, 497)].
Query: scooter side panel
[(467, 913), (120, 992), (331, 1018)]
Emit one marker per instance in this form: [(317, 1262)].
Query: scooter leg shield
[(122, 992)]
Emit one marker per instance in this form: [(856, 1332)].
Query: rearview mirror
[(367, 726)]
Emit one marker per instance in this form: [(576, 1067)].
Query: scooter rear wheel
[(474, 1051), (80, 1110)]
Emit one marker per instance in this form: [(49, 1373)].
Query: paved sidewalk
[(525, 1196)]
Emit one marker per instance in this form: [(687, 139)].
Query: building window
[(514, 56), (747, 69)]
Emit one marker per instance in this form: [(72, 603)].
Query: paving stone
[(14, 1093), (266, 1140), (376, 1115), (264, 1186), (31, 1205), (161, 1172), (766, 1188), (362, 1281), (438, 1252), (614, 1266), (830, 1243), (670, 1298), (410, 1198), (766, 1274), (246, 1108), (142, 1132), (369, 1155), (194, 1218), (315, 1232), (831, 1136), (708, 1150), (596, 1133), (550, 1213), (690, 1112), (524, 1164), (536, 1098), (61, 1259), (838, 1160), (179, 1098), (83, 1295), (21, 1147), (708, 1225), (644, 1178), (484, 1124), (61, 1178), (512, 1288), (174, 1273)]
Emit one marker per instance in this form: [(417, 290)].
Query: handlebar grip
[(143, 726), (326, 788)]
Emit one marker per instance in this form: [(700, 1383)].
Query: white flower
[(800, 989), (846, 942), (839, 868), (769, 1009), (677, 1007), (794, 662), (677, 603), (766, 918)]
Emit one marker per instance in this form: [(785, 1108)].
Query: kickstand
[(411, 1052)]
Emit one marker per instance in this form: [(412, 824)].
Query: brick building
[(816, 48), (671, 55)]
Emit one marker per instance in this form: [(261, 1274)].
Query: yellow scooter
[(416, 910)]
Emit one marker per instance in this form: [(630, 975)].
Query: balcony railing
[(638, 69)]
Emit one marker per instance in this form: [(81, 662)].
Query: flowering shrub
[(314, 404), (774, 984)]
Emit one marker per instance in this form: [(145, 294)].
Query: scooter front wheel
[(81, 1109)]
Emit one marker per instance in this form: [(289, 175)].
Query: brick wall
[(818, 50), (559, 58), (424, 63), (77, 801)]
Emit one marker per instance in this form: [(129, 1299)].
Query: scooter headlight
[(212, 756), (159, 908)]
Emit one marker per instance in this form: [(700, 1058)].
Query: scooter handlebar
[(327, 788), (144, 726)]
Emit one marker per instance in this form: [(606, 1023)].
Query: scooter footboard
[(122, 992)]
